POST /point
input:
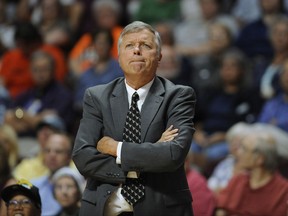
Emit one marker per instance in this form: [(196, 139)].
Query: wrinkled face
[(21, 205), (248, 158), (56, 153), (66, 192), (138, 55)]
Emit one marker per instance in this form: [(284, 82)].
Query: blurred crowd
[(234, 53)]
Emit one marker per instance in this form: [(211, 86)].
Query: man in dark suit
[(109, 163)]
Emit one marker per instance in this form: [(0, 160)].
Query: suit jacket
[(161, 164)]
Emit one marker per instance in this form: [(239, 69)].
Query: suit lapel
[(119, 107), (151, 106)]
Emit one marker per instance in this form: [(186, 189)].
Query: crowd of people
[(234, 54)]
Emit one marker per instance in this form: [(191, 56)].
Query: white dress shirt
[(116, 203)]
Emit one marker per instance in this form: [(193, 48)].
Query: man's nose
[(137, 50)]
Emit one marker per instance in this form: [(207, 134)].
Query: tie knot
[(135, 97)]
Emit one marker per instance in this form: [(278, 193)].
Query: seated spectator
[(173, 66), (228, 167), (213, 119), (104, 69), (57, 154), (193, 31), (17, 78), (23, 194), (34, 167), (68, 185), (275, 110), (206, 56), (260, 191), (48, 97), (253, 38), (6, 177), (9, 140), (266, 73), (281, 138), (105, 15)]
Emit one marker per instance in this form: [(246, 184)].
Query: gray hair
[(138, 26), (265, 145), (238, 129)]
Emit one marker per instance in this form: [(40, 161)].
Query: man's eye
[(146, 46), (129, 46)]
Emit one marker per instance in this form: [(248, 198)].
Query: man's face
[(21, 205), (138, 55), (57, 152)]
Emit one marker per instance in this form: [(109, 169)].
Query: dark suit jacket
[(161, 164)]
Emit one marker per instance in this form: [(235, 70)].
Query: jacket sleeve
[(177, 109), (90, 162)]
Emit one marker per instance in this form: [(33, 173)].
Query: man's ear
[(160, 57)]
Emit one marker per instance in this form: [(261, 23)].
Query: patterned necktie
[(133, 189)]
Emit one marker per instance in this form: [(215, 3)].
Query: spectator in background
[(221, 107), (228, 167), (17, 78), (9, 140), (68, 185), (254, 39), (173, 66), (197, 28), (275, 110), (58, 22), (23, 194), (6, 177), (258, 155), (266, 73), (57, 154), (104, 69), (105, 14), (34, 167), (48, 97), (206, 56)]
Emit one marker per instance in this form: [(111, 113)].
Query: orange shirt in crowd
[(86, 40), (15, 69)]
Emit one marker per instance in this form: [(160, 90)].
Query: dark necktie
[(133, 189)]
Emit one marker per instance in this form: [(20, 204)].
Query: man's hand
[(169, 134), (107, 145)]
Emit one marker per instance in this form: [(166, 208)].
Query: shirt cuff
[(118, 158)]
